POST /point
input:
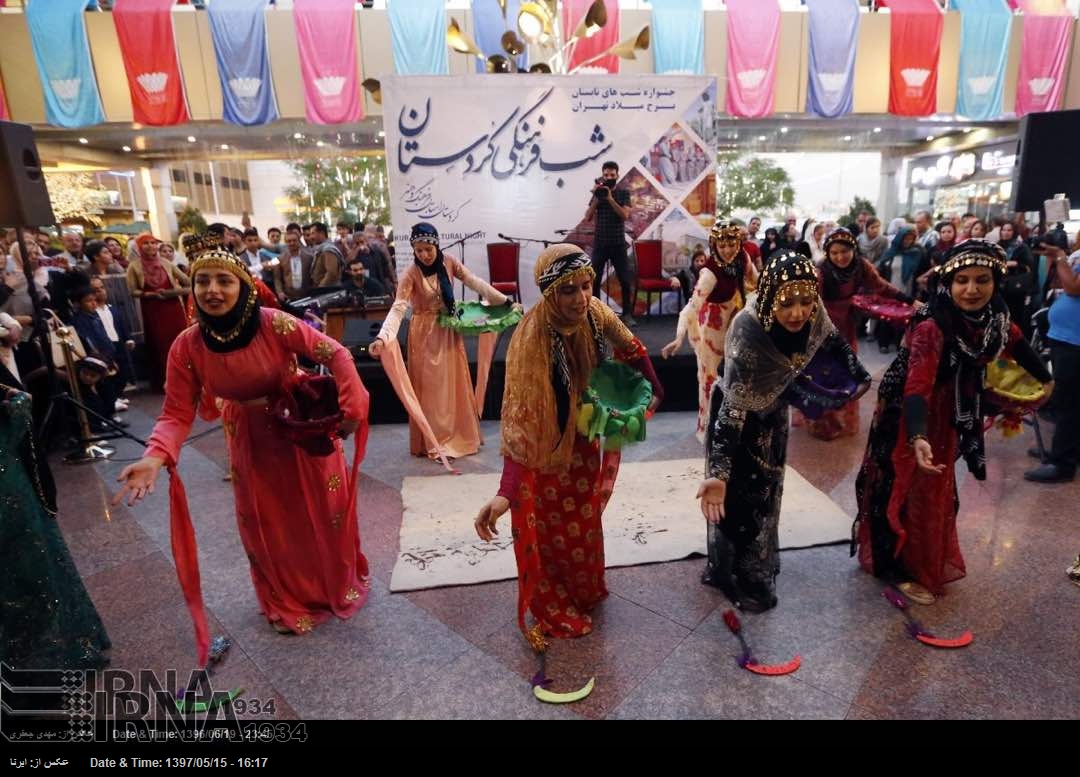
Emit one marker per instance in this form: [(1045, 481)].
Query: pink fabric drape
[(394, 364), (326, 36), (915, 47), (753, 38), (587, 48), (1044, 54), (147, 45)]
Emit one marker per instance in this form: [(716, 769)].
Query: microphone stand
[(543, 242), (461, 243)]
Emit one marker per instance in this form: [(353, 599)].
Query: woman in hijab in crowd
[(770, 243), (769, 345), (900, 265), (719, 294), (438, 368), (872, 243), (929, 415), (1020, 276), (842, 275), (979, 229), (295, 501), (556, 482), (814, 237), (947, 238), (159, 287)]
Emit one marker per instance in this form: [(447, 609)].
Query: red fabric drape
[(915, 48), (147, 45)]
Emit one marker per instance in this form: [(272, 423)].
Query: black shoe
[(883, 349), (1034, 453), (1050, 473)]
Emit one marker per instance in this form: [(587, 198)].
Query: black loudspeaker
[(1046, 163), (361, 332), (24, 200)]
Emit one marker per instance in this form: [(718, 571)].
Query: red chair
[(503, 268), (651, 280)]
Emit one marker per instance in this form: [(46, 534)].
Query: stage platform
[(678, 374)]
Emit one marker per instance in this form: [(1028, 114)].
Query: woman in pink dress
[(302, 539), (438, 369)]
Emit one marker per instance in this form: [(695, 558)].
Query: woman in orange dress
[(438, 369)]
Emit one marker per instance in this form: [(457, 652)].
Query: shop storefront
[(978, 180)]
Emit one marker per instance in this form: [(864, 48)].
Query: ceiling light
[(877, 129), (761, 137), (224, 146), (190, 138), (298, 136), (126, 148), (319, 143), (84, 141), (929, 138), (847, 138), (382, 134), (784, 130)]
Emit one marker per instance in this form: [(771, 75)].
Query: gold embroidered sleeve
[(615, 331), (284, 324), (323, 351)]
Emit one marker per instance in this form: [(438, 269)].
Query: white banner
[(519, 155)]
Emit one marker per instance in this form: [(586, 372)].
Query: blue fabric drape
[(238, 28), (834, 35), (489, 26), (58, 36), (418, 37), (678, 28), (984, 44)]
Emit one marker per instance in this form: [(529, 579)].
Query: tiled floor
[(660, 648)]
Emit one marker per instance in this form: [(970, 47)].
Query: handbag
[(63, 338)]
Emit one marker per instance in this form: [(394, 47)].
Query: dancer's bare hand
[(671, 348), (138, 479), (924, 458), (376, 348), (488, 515), (862, 390), (712, 493), (347, 427)]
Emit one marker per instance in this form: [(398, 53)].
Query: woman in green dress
[(47, 620)]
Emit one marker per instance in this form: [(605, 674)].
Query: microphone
[(562, 231), (504, 237)]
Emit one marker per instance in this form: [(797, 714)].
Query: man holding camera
[(611, 207)]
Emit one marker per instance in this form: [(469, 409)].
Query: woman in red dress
[(555, 482), (302, 541), (159, 286), (929, 414)]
